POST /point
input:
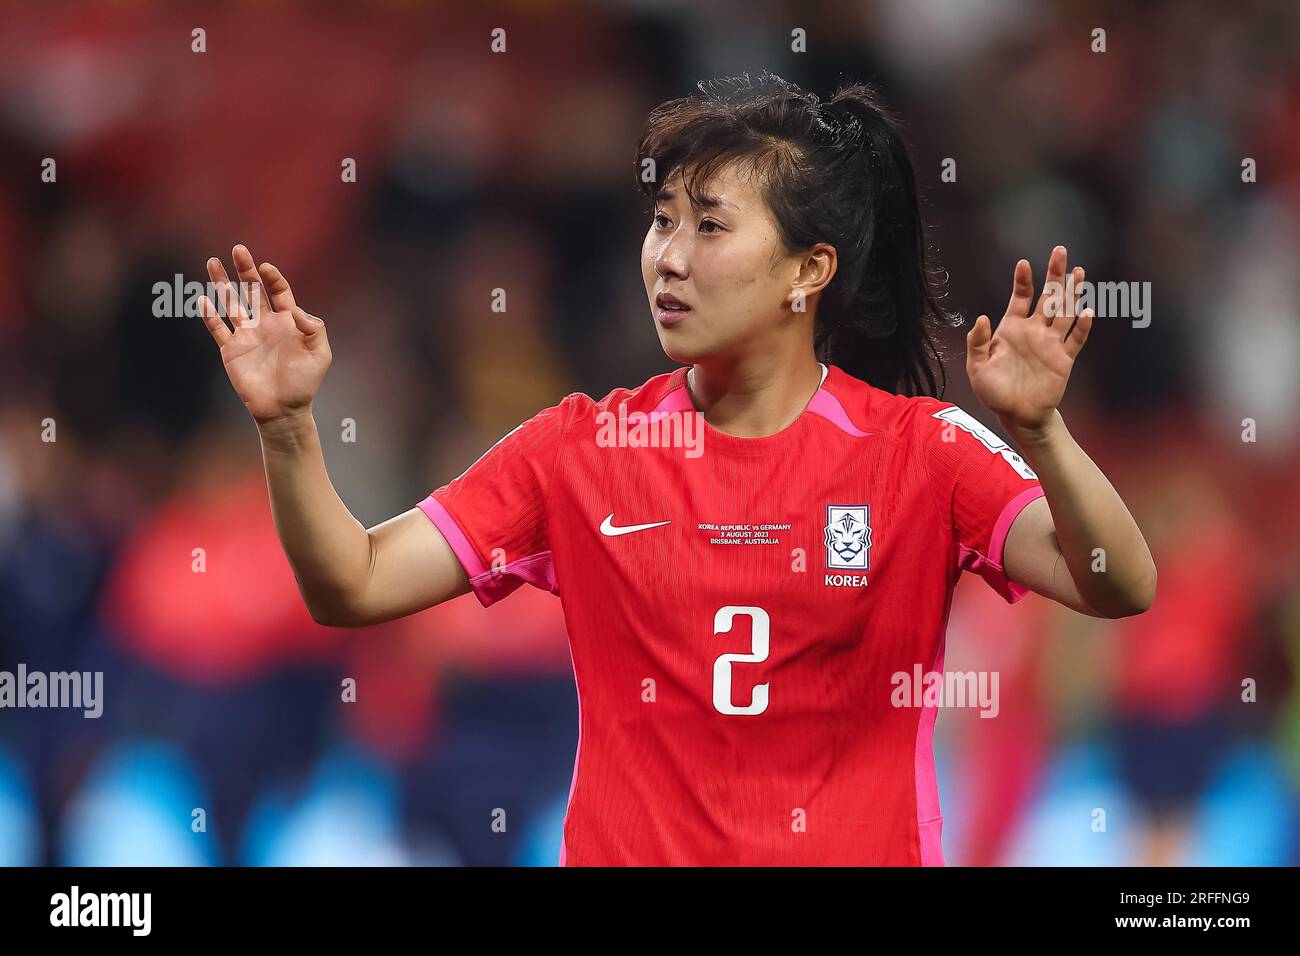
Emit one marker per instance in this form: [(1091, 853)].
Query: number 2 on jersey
[(761, 627)]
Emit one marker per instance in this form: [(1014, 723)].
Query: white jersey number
[(722, 666)]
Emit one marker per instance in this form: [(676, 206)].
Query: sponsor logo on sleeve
[(988, 438)]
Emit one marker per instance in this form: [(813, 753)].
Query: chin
[(679, 351), (681, 346)]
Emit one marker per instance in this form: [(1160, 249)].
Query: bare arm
[(276, 359), (350, 576), (1079, 546)]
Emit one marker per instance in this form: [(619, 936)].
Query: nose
[(671, 260)]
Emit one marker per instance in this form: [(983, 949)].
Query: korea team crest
[(848, 537)]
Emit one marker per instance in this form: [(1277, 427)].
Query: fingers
[(978, 339), (277, 286), (1061, 301), (1078, 334), (1052, 302), (247, 271), (1022, 290), (308, 325), (220, 334), (226, 292), (268, 291)]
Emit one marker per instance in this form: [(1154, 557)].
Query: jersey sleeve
[(494, 515), (981, 484)]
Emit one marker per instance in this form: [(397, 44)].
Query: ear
[(815, 271)]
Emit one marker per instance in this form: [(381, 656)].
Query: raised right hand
[(277, 358)]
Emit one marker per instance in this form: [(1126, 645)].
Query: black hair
[(838, 172)]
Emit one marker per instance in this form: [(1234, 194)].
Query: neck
[(754, 397)]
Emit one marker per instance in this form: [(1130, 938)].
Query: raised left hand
[(1019, 372)]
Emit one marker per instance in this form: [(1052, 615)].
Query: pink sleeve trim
[(989, 566), (465, 553), (490, 584), (1009, 514)]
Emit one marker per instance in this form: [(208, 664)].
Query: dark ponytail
[(835, 172)]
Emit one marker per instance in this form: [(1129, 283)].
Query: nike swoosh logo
[(608, 528)]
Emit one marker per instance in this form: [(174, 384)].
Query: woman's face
[(723, 260)]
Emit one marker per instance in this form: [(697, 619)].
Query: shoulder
[(578, 409), (939, 432), (904, 418), (655, 392)]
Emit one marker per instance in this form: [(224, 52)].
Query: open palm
[(277, 356), (1020, 371)]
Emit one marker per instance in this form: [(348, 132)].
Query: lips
[(670, 302)]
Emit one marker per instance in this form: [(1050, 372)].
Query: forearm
[(328, 549), (1102, 546)]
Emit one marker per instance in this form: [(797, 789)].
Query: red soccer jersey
[(740, 611)]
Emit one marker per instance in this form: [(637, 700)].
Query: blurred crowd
[(125, 457)]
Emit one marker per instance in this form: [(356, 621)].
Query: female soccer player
[(755, 553)]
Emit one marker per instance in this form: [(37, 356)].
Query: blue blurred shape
[(1061, 826), (540, 845), (347, 815), (136, 808), (18, 822), (1247, 816)]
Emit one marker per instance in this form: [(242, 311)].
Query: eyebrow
[(705, 200)]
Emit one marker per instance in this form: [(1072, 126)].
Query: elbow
[(1135, 600), (332, 612), (334, 619), (323, 617), (339, 603), (1146, 593), (1128, 608)]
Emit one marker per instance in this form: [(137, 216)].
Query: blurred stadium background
[(477, 170)]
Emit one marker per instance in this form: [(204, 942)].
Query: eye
[(704, 222)]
